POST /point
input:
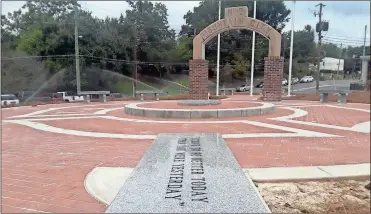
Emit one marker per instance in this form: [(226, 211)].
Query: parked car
[(294, 81), (307, 79), (260, 85), (284, 82), (9, 99), (243, 88)]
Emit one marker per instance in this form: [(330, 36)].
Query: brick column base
[(273, 75), (198, 79)]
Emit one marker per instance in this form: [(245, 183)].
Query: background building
[(331, 64)]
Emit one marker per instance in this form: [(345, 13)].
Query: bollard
[(141, 97), (87, 98), (324, 97), (157, 97), (104, 98), (342, 98)]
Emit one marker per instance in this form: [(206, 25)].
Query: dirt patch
[(345, 196), (354, 97)]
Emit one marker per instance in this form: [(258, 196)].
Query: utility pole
[(364, 73), (77, 59), (341, 46), (364, 41), (319, 43), (135, 70)]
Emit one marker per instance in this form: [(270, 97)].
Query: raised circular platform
[(227, 109), (199, 102)]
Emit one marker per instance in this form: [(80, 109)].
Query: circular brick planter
[(263, 109), (199, 102)]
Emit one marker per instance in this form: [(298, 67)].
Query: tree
[(241, 65), (183, 51), (304, 45), (226, 74)]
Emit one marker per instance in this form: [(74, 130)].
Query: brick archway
[(237, 18)]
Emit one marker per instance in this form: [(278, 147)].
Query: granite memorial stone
[(188, 173)]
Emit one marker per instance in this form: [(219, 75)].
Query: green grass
[(126, 87), (183, 81)]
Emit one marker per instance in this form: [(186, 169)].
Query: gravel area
[(344, 196)]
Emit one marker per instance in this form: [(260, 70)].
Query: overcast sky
[(347, 18)]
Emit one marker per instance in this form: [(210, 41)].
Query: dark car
[(260, 85)]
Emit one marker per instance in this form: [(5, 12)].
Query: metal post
[(252, 56), (135, 60), (218, 58), (291, 48), (77, 59)]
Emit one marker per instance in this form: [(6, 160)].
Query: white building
[(331, 64)]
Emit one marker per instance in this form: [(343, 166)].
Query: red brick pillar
[(198, 79), (273, 75)]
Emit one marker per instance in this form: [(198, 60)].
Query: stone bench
[(102, 95), (232, 90), (155, 93), (341, 96)]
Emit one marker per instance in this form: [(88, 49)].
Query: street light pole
[(291, 48), (218, 58), (252, 56)]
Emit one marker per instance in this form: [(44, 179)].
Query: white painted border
[(301, 113)]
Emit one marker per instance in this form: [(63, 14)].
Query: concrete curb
[(265, 108), (103, 183), (305, 173)]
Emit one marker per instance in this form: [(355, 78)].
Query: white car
[(243, 88), (307, 79), (284, 82), (9, 99)]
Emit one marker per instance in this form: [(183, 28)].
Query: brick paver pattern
[(44, 171)]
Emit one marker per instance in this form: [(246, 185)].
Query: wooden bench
[(102, 95), (340, 93), (155, 93), (232, 90)]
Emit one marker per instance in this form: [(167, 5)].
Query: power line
[(40, 56)]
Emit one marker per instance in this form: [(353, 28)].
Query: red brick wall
[(198, 79), (273, 75)]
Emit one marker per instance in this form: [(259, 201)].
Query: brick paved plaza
[(48, 150)]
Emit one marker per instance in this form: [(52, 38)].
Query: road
[(309, 88)]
